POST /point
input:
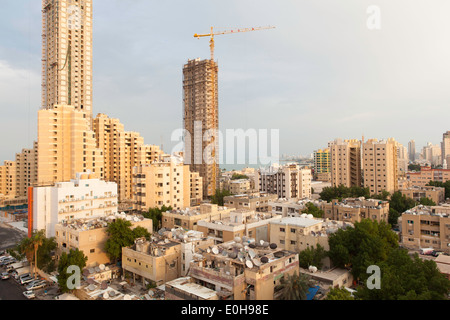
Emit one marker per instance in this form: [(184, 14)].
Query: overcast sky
[(320, 75)]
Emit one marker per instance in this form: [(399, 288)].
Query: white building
[(83, 197)]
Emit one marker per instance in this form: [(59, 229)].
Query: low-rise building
[(188, 218), (240, 186), (436, 194), (83, 197), (90, 236), (256, 201), (355, 209), (185, 288), (240, 223), (426, 227), (427, 174), (250, 274), (290, 207)]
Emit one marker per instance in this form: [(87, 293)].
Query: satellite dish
[(208, 250), (126, 297), (215, 250), (106, 295), (92, 287), (224, 253), (256, 262), (91, 270), (233, 255), (112, 293), (101, 267), (150, 293), (273, 246), (266, 245), (97, 269), (237, 240), (264, 259), (249, 264), (261, 242), (252, 245), (251, 253)]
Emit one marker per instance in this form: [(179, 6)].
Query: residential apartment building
[(90, 235), (290, 207), (188, 218), (433, 154), (322, 165), (236, 275), (255, 201), (445, 148), (356, 209), (123, 150), (412, 150), (345, 157), (26, 170), (8, 179), (67, 55), (241, 223), (201, 121), (240, 186), (437, 195), (83, 197), (426, 227), (402, 160), (380, 166), (167, 182), (66, 145), (427, 174), (289, 181)]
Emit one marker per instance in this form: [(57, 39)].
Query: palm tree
[(37, 240), (293, 287), (30, 246)]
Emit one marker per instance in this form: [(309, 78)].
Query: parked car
[(436, 253), (7, 262), (25, 275), (5, 276), (26, 280), (29, 294), (37, 285)]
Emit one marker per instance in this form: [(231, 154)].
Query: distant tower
[(412, 150), (67, 54), (201, 116)]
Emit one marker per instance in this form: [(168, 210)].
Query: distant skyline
[(320, 75)]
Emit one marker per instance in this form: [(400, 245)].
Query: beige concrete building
[(432, 153), (289, 181), (345, 157), (290, 207), (255, 201), (153, 261), (201, 121), (426, 227), (322, 165), (380, 165), (8, 179), (249, 275), (122, 151), (355, 209), (67, 55), (90, 236), (185, 288), (241, 186), (445, 149), (66, 145), (167, 182), (427, 174), (188, 218), (27, 167), (241, 223), (437, 195)]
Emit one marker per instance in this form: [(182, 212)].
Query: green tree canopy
[(312, 209), (218, 197), (367, 243), (414, 167), (407, 278), (120, 236), (427, 201), (330, 193), (238, 176), (339, 294), (156, 215), (294, 287), (74, 258), (398, 204), (312, 257)]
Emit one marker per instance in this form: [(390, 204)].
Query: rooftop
[(185, 284), (298, 221), (99, 222)]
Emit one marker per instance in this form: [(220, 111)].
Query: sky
[(320, 74)]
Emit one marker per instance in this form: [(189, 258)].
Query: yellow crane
[(212, 34)]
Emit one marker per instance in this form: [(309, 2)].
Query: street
[(9, 236), (11, 290)]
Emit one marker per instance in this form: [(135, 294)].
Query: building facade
[(322, 165), (427, 174), (255, 201), (345, 157), (437, 195), (356, 209)]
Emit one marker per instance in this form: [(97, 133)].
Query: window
[(92, 251), (282, 230)]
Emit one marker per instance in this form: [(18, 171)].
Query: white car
[(5, 275), (29, 294), (37, 285)]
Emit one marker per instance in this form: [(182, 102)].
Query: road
[(11, 290), (9, 236)]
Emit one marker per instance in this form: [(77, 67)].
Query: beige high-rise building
[(122, 152), (167, 182), (433, 154), (201, 121), (380, 165), (445, 148), (345, 163), (26, 170), (67, 54), (8, 179), (402, 160), (66, 145)]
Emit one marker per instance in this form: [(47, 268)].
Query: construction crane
[(212, 34)]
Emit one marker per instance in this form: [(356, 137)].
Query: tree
[(294, 287), (427, 202), (330, 193), (398, 204), (414, 167), (440, 184), (238, 176), (407, 278), (45, 255), (384, 195), (312, 257), (29, 247), (156, 215), (140, 232), (218, 197), (120, 236), (312, 209), (339, 294), (74, 258), (367, 243)]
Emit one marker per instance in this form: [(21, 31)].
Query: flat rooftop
[(185, 284), (297, 221)]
